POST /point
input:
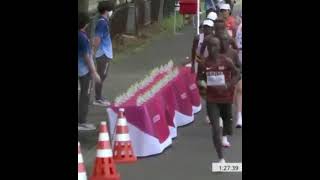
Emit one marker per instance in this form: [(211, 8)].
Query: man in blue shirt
[(86, 71), (103, 48)]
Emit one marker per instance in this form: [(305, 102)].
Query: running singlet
[(218, 75)]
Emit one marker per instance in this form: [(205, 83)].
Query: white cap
[(208, 22), (212, 15), (225, 6)]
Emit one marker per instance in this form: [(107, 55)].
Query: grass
[(167, 25)]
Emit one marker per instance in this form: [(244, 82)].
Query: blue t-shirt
[(103, 31), (83, 49)]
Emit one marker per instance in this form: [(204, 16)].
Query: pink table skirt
[(153, 124)]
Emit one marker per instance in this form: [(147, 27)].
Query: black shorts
[(217, 110), (223, 110)]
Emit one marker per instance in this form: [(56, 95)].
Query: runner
[(207, 28), (103, 48), (238, 99), (230, 21), (220, 27), (221, 76), (213, 17), (86, 71), (233, 55)]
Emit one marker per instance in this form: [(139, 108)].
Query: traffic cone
[(122, 152), (104, 167), (81, 169)]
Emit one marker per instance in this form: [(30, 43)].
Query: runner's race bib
[(216, 79)]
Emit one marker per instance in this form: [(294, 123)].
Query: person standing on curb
[(86, 72), (102, 46)]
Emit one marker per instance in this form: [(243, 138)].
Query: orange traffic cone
[(81, 169), (104, 168), (122, 152)]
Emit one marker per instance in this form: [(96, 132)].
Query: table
[(153, 125)]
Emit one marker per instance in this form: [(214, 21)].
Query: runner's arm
[(235, 73)]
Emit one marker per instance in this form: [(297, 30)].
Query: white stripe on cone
[(122, 122), (103, 123), (104, 153), (122, 137), (82, 176), (103, 137), (80, 159)]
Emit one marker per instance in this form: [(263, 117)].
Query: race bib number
[(216, 79)]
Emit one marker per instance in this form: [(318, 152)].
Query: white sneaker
[(102, 102), (220, 122), (225, 142), (239, 122), (86, 127)]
